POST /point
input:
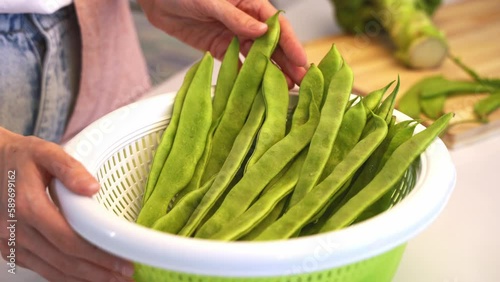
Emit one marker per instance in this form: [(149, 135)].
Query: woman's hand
[(44, 242), (210, 25)]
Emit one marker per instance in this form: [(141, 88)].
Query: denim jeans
[(39, 72)]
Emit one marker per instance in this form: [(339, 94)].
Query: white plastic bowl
[(118, 149)]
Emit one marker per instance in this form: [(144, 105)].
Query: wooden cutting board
[(472, 28)]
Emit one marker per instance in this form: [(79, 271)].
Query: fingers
[(26, 258), (236, 20), (44, 240), (290, 44), (55, 264), (292, 47), (36, 212), (62, 166), (293, 73), (54, 228), (290, 55)]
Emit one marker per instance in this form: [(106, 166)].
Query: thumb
[(239, 22), (68, 170)]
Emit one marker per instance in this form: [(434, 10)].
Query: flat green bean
[(194, 124), (429, 95), (485, 106), (351, 102), (302, 212), (349, 134), (433, 107), (195, 182), (398, 134), (243, 223), (276, 96), (329, 65), (174, 221), (260, 174), (492, 82), (246, 87), (445, 86), (409, 103), (311, 85), (373, 164), (385, 201), (392, 171), (264, 223), (355, 183), (372, 99), (233, 162), (228, 72), (328, 127), (167, 139), (386, 108)]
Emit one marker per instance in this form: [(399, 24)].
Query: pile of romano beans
[(241, 166)]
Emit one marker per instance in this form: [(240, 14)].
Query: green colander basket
[(118, 149)]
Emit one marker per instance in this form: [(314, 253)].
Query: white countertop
[(463, 244)]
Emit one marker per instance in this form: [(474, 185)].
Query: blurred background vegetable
[(419, 43), (427, 97)]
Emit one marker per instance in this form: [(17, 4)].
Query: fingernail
[(258, 26), (93, 185), (89, 184)]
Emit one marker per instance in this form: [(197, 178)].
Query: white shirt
[(32, 6)]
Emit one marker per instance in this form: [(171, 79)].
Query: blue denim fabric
[(39, 72)]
